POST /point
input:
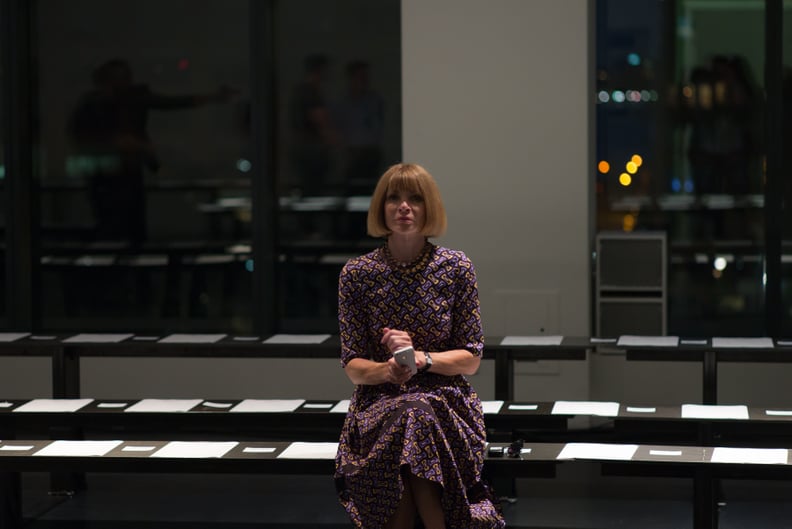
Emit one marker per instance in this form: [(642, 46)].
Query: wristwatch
[(428, 363)]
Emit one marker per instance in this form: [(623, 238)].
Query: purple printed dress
[(433, 425)]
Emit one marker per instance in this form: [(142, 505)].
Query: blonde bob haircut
[(413, 179)]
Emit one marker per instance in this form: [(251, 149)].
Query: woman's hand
[(368, 372), (397, 373), (395, 339)]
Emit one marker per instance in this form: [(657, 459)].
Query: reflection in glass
[(678, 83), (3, 213), (113, 150), (786, 230), (339, 127), (142, 141)]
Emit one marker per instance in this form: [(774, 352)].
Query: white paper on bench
[(98, 338), (341, 407), (616, 452), (259, 449), (77, 448), (779, 413), (268, 405), (648, 341), (714, 411), (17, 448), (665, 452), (297, 338), (138, 448), (12, 336), (635, 409), (742, 342), (762, 456), (112, 405), (164, 405), (520, 407), (532, 340), (309, 451), (491, 406), (192, 338), (317, 405), (53, 405), (605, 409), (195, 449), (220, 405), (6, 404), (693, 342)]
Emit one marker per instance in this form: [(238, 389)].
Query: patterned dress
[(431, 426)]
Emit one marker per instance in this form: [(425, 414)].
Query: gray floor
[(295, 502)]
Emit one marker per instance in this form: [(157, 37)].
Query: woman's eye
[(416, 198)]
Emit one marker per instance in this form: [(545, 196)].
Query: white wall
[(497, 107)]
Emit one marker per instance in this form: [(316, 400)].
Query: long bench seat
[(322, 419), (23, 455), (531, 459), (690, 431), (67, 350), (315, 419)]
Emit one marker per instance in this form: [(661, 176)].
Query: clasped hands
[(394, 340)]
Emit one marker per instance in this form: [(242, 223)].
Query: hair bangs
[(407, 180)]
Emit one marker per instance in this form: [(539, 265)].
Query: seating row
[(703, 425), (323, 418), (520, 460), (66, 351)]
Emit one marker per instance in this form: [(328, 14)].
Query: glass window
[(786, 230), (338, 127), (680, 147), (143, 161), (3, 213)]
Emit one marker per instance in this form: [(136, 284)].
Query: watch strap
[(428, 363)]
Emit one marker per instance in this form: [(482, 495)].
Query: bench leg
[(66, 483), (10, 500), (705, 500), (505, 487)]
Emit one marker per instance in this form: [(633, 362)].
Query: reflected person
[(359, 117), (109, 131), (313, 137), (721, 112)]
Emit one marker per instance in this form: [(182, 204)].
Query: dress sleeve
[(467, 332), (352, 323)]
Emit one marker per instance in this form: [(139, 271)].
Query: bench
[(66, 351), (295, 419), (531, 460), (680, 426), (322, 420)]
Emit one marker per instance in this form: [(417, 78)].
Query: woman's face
[(405, 212)]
